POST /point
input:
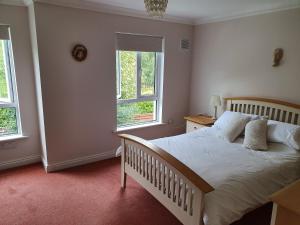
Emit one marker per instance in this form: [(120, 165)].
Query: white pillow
[(253, 116), (285, 133), (256, 135), (231, 124)]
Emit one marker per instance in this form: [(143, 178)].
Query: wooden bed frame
[(172, 183)]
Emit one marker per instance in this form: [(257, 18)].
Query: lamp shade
[(215, 100), (156, 8)]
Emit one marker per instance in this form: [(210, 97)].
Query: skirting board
[(20, 162), (55, 166)]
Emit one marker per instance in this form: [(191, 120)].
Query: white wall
[(234, 58), (79, 98), (28, 150)]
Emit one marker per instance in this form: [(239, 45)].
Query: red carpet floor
[(86, 195)]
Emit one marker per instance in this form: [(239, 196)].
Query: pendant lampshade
[(156, 8)]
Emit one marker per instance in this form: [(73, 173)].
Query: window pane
[(136, 113), (148, 73), (4, 95), (128, 65), (8, 121)]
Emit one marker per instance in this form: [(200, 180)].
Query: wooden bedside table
[(198, 122), (286, 205)]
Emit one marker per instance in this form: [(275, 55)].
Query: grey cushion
[(256, 135)]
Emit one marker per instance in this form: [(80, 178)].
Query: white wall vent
[(185, 44)]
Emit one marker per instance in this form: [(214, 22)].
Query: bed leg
[(123, 180), (123, 173), (198, 208)]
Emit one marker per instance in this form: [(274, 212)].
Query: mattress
[(243, 179)]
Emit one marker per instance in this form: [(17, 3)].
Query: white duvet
[(243, 179)]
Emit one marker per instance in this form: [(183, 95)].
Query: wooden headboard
[(273, 109)]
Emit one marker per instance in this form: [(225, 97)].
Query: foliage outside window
[(138, 92), (9, 111)]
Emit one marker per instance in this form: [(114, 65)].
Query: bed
[(202, 179)]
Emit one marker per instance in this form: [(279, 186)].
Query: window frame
[(139, 97), (119, 75), (11, 85)]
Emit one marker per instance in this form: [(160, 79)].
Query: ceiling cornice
[(242, 15)]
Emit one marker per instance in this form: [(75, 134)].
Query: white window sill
[(11, 138), (122, 129)]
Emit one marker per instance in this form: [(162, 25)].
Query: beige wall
[(229, 58), (79, 98), (28, 150), (234, 58)]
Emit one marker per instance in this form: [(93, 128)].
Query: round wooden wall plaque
[(79, 52)]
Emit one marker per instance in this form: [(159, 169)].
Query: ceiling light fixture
[(156, 8)]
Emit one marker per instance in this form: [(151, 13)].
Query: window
[(9, 109), (138, 85)]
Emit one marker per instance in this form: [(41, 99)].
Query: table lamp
[(215, 101)]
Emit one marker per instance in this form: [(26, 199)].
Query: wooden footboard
[(172, 183)]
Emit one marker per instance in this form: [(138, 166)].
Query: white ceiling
[(199, 11), (184, 11)]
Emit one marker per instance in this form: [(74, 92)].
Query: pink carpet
[(86, 195)]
